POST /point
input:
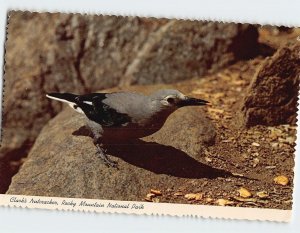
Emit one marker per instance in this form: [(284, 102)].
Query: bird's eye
[(171, 100)]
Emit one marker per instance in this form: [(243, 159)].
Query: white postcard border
[(163, 208), (140, 208)]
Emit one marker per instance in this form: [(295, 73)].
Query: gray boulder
[(63, 163)]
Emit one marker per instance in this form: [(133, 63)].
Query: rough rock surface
[(81, 53), (186, 49), (63, 163), (273, 94)]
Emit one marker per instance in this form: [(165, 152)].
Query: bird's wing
[(96, 110), (94, 107)]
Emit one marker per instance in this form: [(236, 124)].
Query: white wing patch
[(88, 102)]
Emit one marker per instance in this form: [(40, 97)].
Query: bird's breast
[(139, 127), (130, 131)]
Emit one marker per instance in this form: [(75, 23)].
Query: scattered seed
[(150, 195), (262, 194), (226, 140), (194, 196), (208, 199), (255, 162), (282, 180), (148, 199), (244, 192), (156, 192), (224, 202), (270, 167), (250, 200), (237, 174), (274, 144), (255, 144), (178, 194), (207, 159)]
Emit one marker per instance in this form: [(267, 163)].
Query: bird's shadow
[(159, 159)]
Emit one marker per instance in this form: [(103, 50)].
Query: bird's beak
[(189, 101)]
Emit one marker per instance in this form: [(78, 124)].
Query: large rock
[(273, 94), (185, 49), (63, 163)]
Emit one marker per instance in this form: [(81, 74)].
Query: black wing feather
[(101, 112)]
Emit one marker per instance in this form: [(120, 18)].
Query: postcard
[(141, 115)]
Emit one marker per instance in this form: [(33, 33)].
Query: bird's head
[(175, 99)]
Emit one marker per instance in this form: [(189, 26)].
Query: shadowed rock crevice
[(247, 36)]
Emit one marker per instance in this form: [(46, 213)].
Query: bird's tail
[(66, 98), (63, 97)]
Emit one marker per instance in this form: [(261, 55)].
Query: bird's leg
[(102, 155), (97, 134)]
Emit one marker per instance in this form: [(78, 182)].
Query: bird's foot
[(107, 161)]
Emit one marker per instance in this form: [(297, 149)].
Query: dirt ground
[(255, 156)]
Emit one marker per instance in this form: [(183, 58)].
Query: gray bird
[(119, 116)]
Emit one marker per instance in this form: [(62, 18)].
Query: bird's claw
[(111, 163), (108, 162)]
